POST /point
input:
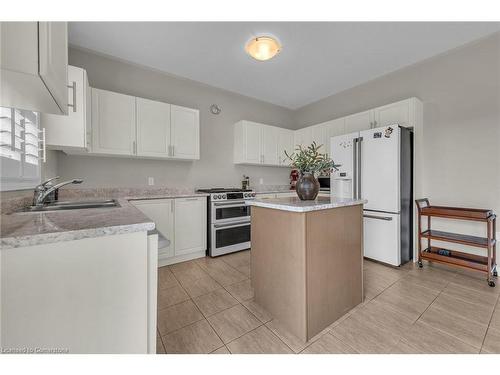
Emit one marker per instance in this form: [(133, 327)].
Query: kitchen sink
[(73, 205)]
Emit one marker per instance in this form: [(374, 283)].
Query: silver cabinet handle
[(73, 87), (134, 147), (173, 150), (387, 218)]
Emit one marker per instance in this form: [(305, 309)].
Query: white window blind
[(19, 135), (20, 148)]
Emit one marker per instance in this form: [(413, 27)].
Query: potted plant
[(310, 163)]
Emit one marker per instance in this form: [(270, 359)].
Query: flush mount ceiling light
[(263, 48)]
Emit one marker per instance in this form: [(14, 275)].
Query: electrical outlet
[(151, 181), (261, 181)]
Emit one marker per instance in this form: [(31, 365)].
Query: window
[(19, 149)]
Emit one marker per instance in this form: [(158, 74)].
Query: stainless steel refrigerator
[(377, 165)]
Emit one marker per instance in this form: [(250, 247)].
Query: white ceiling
[(317, 59)]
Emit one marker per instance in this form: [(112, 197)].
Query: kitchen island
[(306, 260)]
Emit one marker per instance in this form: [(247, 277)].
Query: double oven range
[(228, 220)]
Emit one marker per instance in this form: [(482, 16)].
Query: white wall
[(460, 91), (216, 166)]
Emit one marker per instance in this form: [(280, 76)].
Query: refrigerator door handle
[(387, 218), (355, 168), (360, 139)]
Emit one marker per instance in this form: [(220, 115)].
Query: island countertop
[(294, 204)]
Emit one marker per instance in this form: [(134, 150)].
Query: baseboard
[(180, 258)]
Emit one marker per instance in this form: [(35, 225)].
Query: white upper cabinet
[(261, 144), (247, 142), (334, 128), (113, 123), (359, 121), (33, 66), (270, 138), (53, 60), (71, 132), (127, 125), (303, 137), (395, 113), (153, 128), (190, 225), (185, 123), (318, 135), (285, 143)]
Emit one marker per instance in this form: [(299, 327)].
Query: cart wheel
[(495, 273), (420, 265), (491, 283)]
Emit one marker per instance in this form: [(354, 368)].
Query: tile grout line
[(489, 322)]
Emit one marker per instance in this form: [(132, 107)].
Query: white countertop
[(296, 205)]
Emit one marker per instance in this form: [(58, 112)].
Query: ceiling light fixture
[(263, 48)]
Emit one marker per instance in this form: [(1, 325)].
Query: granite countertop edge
[(296, 205), (23, 229)]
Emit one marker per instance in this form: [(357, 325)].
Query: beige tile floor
[(206, 306)]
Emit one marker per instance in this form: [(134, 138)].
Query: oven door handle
[(232, 225), (231, 203)]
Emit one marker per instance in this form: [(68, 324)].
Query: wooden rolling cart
[(486, 264)]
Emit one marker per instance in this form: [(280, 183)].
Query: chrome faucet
[(43, 190)]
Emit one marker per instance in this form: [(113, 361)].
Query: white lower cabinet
[(190, 225), (183, 222), (161, 211), (93, 295)]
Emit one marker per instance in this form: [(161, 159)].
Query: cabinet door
[(161, 211), (53, 60), (270, 145), (285, 143), (333, 128), (391, 114), (303, 137), (185, 133), (318, 135), (70, 131), (190, 225), (252, 142), (113, 123), (153, 128), (359, 121)]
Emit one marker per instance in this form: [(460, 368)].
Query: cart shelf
[(457, 238), (486, 264)]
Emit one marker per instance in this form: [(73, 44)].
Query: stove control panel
[(232, 196)]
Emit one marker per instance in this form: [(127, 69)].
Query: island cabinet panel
[(278, 265), (333, 287), (306, 267)]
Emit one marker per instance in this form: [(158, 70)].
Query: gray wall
[(460, 91), (461, 138), (216, 166)]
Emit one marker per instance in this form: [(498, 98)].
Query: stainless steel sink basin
[(73, 205)]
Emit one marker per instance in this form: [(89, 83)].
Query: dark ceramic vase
[(307, 187)]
